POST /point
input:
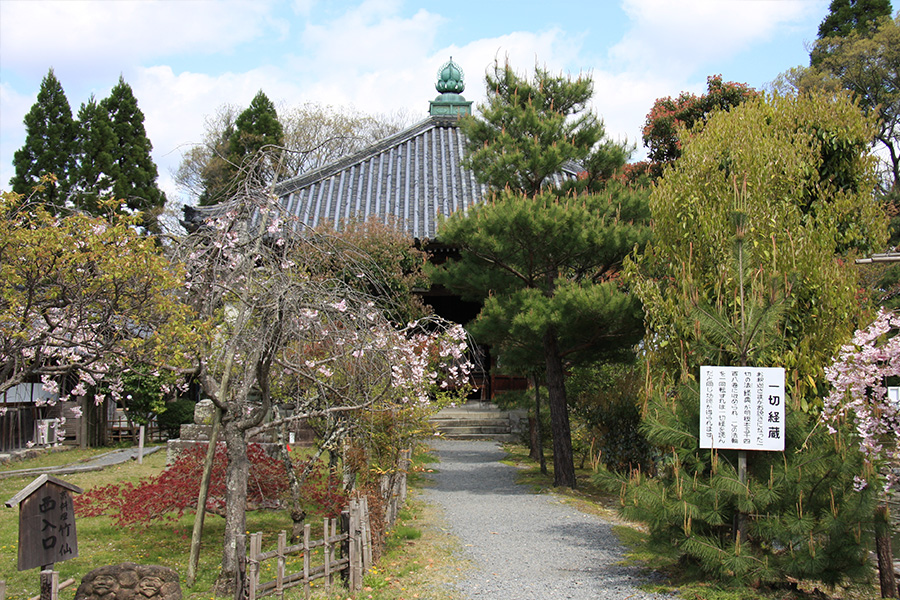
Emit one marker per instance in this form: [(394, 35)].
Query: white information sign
[(893, 394), (742, 408)]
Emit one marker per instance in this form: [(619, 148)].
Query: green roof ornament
[(450, 78), (450, 84)]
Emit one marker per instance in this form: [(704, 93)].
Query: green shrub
[(174, 415), (807, 517), (604, 403)]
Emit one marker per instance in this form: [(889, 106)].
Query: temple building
[(409, 178)]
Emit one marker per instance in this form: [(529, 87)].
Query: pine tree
[(255, 129), (529, 130), (540, 254), (49, 145), (133, 172), (806, 503), (97, 145)]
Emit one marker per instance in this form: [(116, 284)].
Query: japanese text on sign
[(46, 526), (742, 408)]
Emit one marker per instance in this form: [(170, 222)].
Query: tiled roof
[(410, 178)]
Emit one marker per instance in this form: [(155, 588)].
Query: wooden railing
[(355, 544)]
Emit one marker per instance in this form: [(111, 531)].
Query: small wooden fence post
[(49, 585), (356, 569), (306, 559), (328, 550), (405, 462), (345, 545), (282, 563), (365, 535), (393, 488), (253, 565), (240, 548)]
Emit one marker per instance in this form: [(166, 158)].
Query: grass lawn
[(100, 542), (419, 558)]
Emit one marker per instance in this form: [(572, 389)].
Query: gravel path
[(525, 546)]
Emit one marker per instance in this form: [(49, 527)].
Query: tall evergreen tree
[(49, 145), (849, 16), (134, 173), (868, 67), (256, 127), (539, 251), (96, 145), (218, 173), (846, 16), (254, 130)]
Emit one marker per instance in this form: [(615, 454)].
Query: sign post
[(742, 408), (46, 523)]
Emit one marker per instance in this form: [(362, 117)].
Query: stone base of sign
[(27, 453), (130, 581)]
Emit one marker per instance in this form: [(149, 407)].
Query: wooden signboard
[(46, 522)]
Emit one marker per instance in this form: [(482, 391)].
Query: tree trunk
[(883, 550), (200, 515), (348, 477), (236, 475), (563, 463), (298, 515), (537, 429)]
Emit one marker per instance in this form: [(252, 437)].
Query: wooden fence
[(393, 489), (355, 543)]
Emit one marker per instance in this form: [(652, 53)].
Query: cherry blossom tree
[(82, 297), (859, 378), (288, 335)]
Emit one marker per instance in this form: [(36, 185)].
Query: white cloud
[(393, 64), (681, 37), (15, 105), (98, 32), (623, 101), (369, 37), (303, 7), (186, 58), (176, 106)]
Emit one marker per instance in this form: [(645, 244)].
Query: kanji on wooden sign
[(46, 522)]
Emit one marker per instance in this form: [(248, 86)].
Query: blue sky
[(186, 58)]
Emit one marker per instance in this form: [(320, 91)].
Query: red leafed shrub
[(323, 489), (166, 497)]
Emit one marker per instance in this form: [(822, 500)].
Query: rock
[(130, 581), (204, 411)]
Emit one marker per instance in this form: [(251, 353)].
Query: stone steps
[(477, 421)]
